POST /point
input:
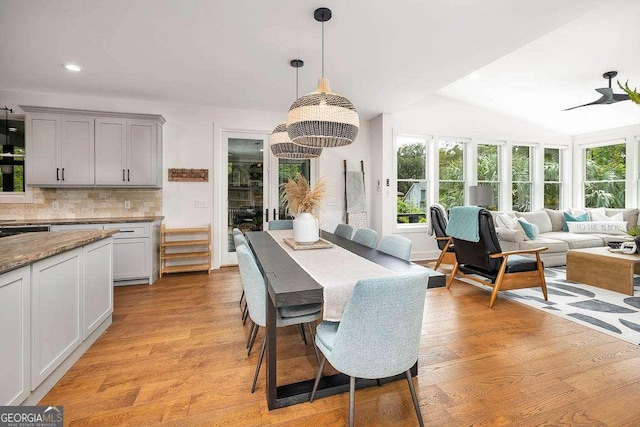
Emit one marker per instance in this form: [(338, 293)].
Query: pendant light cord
[(297, 82), (323, 50)]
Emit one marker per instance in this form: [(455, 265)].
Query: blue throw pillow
[(571, 218), (531, 230)]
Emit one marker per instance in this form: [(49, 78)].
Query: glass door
[(246, 187), (286, 170)]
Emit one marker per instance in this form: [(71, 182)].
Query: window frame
[(411, 227), (465, 143), (27, 195), (583, 173), (560, 182), (532, 153), (499, 149)]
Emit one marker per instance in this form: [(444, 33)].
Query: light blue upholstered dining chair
[(281, 224), (256, 293), (398, 246), (236, 231), (344, 230), (365, 236), (376, 343), (238, 240)]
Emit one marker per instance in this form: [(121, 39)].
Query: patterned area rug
[(606, 311)]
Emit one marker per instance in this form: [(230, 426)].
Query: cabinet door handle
[(57, 174), (127, 231), (128, 175), (274, 214), (63, 174), (123, 174), (266, 211)]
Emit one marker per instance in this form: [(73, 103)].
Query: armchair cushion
[(519, 264)]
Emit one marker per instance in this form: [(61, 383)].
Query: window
[(552, 174), (605, 174), (489, 170), (451, 167), (12, 160), (411, 179), (521, 178)]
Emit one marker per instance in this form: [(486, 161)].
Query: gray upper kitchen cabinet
[(92, 148), (60, 150), (127, 152)]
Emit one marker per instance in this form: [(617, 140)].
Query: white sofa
[(550, 224)]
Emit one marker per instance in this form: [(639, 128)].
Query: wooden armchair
[(439, 226), (501, 270)]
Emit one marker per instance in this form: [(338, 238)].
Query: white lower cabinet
[(50, 313), (135, 250), (15, 336), (97, 285), (55, 301)]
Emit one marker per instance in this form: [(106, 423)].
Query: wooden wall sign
[(188, 175)]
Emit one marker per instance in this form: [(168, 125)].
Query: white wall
[(442, 116), (191, 136)]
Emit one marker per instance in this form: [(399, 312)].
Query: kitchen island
[(56, 299)]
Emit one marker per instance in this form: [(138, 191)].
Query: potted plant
[(304, 204)]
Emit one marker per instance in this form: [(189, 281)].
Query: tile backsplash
[(85, 203)]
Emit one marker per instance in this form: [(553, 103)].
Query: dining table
[(291, 279)]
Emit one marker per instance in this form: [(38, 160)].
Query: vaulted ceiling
[(534, 56)]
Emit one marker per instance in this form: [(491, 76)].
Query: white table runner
[(336, 269)]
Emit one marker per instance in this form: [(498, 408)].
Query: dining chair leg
[(253, 339), (352, 400), (416, 404), (241, 298), (302, 334), (255, 377), (245, 314), (253, 325), (315, 384), (313, 341)]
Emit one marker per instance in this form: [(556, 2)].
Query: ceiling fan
[(608, 97)]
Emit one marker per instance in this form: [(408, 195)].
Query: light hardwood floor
[(175, 355)]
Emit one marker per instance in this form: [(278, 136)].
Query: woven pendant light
[(279, 141), (322, 118)]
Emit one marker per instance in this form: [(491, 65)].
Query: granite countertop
[(61, 221), (27, 248)]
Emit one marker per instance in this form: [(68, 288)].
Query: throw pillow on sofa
[(539, 218), (505, 221), (570, 218), (530, 230), (600, 227), (599, 215), (557, 219)]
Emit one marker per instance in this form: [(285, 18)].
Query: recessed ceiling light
[(72, 67), (474, 76)]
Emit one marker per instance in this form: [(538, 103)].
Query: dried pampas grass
[(300, 198)]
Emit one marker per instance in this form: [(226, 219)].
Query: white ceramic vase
[(306, 228)]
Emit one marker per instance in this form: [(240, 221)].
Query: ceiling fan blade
[(602, 100), (605, 91), (617, 97)]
